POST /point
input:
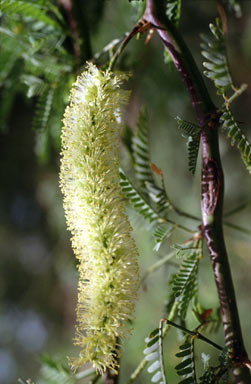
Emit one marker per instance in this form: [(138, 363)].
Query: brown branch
[(141, 26), (110, 377), (67, 6), (76, 15), (182, 59), (212, 182)]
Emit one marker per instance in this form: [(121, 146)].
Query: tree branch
[(110, 377), (212, 181), (67, 6)]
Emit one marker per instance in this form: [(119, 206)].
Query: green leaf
[(159, 198), (43, 109), (193, 145), (173, 11), (188, 380), (53, 372), (140, 147), (185, 363), (187, 367), (154, 354), (161, 233), (209, 377), (184, 283), (35, 85), (188, 128), (40, 124), (136, 199), (28, 9), (192, 132), (214, 50), (7, 62), (234, 132), (143, 172)]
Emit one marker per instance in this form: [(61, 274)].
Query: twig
[(137, 371), (67, 5), (144, 362), (109, 47), (141, 26), (111, 377), (238, 228), (195, 334), (238, 208), (180, 226), (154, 267), (237, 93)]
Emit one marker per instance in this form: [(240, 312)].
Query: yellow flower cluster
[(95, 214)]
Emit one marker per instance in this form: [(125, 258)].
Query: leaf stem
[(238, 208), (195, 334), (144, 362), (238, 228), (180, 226), (154, 267), (185, 214), (139, 27), (236, 94)]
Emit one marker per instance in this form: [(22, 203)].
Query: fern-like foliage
[(26, 8), (193, 145), (184, 283), (43, 109), (40, 124), (217, 374), (159, 198), (161, 233), (154, 354), (192, 133), (173, 10), (142, 166), (234, 132), (214, 50), (136, 199), (33, 61), (140, 148), (186, 369), (47, 118), (209, 377), (53, 373), (188, 128), (155, 215)]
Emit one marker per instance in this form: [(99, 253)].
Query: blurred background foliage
[(42, 51)]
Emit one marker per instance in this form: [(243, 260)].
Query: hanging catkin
[(95, 214)]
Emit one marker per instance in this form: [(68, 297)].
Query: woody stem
[(212, 181)]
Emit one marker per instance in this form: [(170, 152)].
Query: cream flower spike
[(95, 213)]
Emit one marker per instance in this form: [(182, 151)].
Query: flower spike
[(95, 213)]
